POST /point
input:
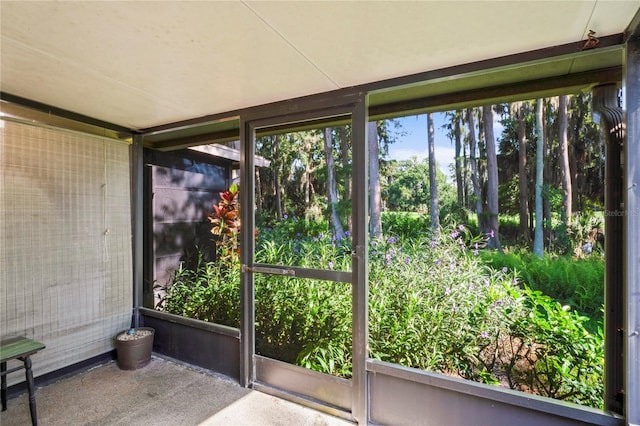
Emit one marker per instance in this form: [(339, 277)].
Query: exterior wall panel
[(184, 188), (406, 396)]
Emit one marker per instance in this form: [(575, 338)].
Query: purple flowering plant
[(433, 305)]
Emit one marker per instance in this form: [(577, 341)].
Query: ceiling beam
[(546, 87), (547, 54), (180, 142), (47, 114)]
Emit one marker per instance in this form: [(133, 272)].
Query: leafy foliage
[(556, 356), (578, 283), (405, 224), (447, 308), (208, 292), (438, 302), (435, 303), (307, 322), (407, 187)]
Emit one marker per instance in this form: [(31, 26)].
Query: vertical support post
[(247, 247), (360, 285), (631, 297), (605, 103), (3, 385), (137, 207), (148, 297)]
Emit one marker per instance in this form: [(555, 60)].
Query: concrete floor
[(162, 393)]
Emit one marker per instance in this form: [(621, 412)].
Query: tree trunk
[(278, 190), (483, 217), (375, 215), (458, 160), (306, 183), (259, 198), (465, 173), (305, 179), (565, 169), (523, 178), (332, 192), (576, 147), (546, 175), (538, 241), (492, 178), (477, 196), (434, 209), (346, 166)]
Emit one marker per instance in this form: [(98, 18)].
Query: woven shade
[(65, 242)]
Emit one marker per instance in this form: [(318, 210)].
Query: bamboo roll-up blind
[(65, 242)]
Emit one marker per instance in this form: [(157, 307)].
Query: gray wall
[(184, 187)]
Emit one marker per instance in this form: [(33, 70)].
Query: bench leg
[(30, 386), (3, 372)]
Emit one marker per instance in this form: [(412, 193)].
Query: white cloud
[(402, 154), (445, 156)]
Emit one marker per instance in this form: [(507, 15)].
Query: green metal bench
[(19, 348)]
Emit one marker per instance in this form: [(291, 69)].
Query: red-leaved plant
[(226, 224)]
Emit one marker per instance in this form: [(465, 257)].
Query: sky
[(414, 143)]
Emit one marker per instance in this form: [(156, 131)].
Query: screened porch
[(104, 191)]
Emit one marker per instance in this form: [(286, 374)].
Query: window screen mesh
[(65, 242)]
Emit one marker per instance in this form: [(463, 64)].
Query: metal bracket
[(268, 270)]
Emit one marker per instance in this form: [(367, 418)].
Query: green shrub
[(435, 303), (290, 227), (556, 355), (405, 224), (577, 282), (434, 306), (304, 322), (208, 293)]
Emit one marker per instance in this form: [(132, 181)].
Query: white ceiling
[(140, 64)]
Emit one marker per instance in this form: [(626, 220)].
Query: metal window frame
[(339, 106), (290, 113), (631, 226), (630, 71)]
